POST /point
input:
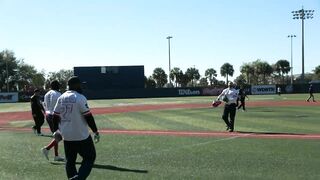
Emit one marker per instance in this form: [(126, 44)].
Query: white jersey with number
[(72, 106), (50, 100)]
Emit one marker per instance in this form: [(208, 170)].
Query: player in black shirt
[(37, 112), (311, 90), (242, 98)]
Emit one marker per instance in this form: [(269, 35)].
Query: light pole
[(169, 37), (5, 58), (302, 14), (291, 63)]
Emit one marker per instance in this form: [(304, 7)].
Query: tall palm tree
[(160, 77), (248, 70), (193, 74), (264, 69), (211, 74), (226, 70), (317, 71), (174, 75), (282, 67)]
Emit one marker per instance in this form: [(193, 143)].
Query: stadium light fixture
[(302, 14)]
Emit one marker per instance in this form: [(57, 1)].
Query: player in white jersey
[(50, 100), (72, 115), (229, 96)]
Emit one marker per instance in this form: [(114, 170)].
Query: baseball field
[(278, 137)]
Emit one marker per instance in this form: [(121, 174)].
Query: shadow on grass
[(47, 135), (108, 167), (273, 133)]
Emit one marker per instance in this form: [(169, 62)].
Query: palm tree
[(160, 77), (248, 70), (203, 82), (317, 71), (193, 74), (174, 75), (211, 74), (264, 69), (282, 67), (226, 70)]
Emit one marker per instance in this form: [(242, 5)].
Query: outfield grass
[(167, 157), (171, 157)]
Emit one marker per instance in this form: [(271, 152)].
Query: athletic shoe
[(231, 130), (58, 158), (34, 130), (39, 134), (74, 177), (45, 152), (227, 128)]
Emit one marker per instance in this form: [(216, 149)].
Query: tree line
[(16, 75), (257, 72)]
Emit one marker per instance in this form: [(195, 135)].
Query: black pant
[(38, 118), (49, 118), (310, 96), (86, 150), (242, 104), (229, 110)]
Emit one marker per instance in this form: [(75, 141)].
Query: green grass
[(170, 157), (167, 157)]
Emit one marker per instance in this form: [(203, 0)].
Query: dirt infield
[(6, 117)]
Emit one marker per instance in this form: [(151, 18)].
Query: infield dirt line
[(191, 133)]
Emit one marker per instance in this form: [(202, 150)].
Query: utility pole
[(291, 63), (169, 37), (302, 14)]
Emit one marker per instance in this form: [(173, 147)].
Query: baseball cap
[(74, 80), (55, 84)]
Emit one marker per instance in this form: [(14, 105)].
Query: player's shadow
[(271, 133), (108, 167), (115, 168)]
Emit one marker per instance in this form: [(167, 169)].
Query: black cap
[(73, 81), (55, 85), (36, 90)]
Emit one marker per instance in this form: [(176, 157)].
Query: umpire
[(73, 117), (229, 96)]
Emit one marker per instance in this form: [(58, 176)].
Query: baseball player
[(50, 100), (242, 97), (229, 96), (311, 90), (37, 112), (72, 116), (279, 91)]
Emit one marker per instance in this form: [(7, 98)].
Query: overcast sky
[(61, 34)]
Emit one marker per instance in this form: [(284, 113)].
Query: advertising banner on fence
[(211, 91), (189, 92), (8, 97), (263, 89)]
